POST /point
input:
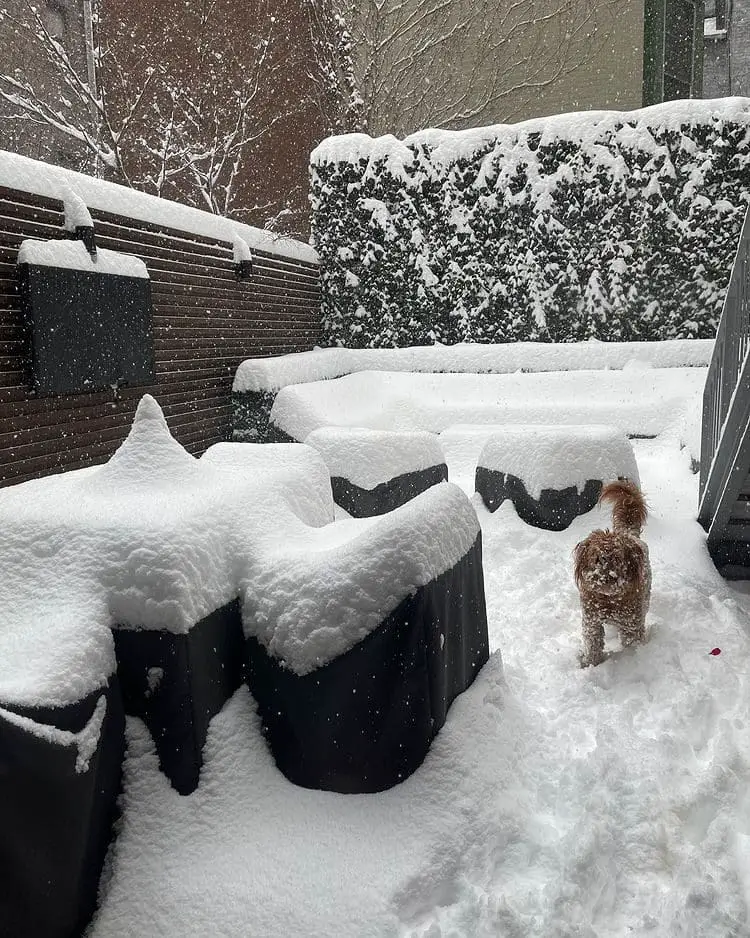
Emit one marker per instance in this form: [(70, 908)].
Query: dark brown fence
[(205, 323)]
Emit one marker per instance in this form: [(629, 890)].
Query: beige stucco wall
[(611, 77), (470, 63)]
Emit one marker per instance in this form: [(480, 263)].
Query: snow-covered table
[(551, 474), (375, 471)]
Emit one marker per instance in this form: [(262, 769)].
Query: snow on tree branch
[(186, 94)]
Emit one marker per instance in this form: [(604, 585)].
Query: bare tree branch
[(461, 63)]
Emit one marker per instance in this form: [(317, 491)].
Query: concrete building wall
[(488, 62), (739, 38), (726, 60), (610, 77)]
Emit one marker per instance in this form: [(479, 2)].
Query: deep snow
[(598, 803)]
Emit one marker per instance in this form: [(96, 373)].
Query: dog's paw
[(590, 661)]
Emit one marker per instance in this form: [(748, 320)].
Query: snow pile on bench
[(638, 401)]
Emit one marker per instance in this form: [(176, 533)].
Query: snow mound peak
[(150, 454)]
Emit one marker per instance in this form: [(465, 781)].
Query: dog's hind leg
[(633, 629), (593, 639)]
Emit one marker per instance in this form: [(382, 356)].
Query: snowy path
[(556, 802), (637, 773)]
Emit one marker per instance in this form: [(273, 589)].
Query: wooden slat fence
[(205, 323)]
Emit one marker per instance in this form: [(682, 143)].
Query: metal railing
[(726, 397)]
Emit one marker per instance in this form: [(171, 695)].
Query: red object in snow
[(715, 651)]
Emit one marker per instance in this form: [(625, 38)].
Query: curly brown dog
[(613, 573)]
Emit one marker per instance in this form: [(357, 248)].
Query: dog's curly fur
[(613, 573)]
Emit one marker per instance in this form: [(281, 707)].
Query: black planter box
[(87, 330), (177, 682), (56, 822), (365, 721), (554, 510), (364, 503)]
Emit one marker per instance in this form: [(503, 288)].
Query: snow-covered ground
[(598, 803)]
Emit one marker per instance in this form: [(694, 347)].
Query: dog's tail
[(629, 508)]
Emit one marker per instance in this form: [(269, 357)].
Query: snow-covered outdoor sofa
[(259, 381), (156, 583), (582, 403)]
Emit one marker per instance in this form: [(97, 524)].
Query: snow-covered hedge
[(620, 226)]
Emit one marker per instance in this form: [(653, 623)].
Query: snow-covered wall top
[(599, 224), (271, 374), (27, 175)]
